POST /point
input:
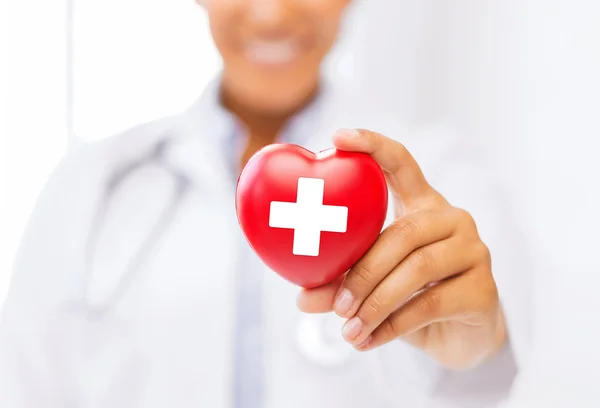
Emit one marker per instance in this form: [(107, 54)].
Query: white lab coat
[(168, 340)]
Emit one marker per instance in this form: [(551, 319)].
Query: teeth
[(272, 52)]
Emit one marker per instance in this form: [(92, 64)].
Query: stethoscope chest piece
[(319, 340)]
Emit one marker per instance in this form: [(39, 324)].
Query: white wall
[(35, 130), (562, 54), (455, 61), (135, 61)]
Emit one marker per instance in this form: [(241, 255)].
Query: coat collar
[(208, 138)]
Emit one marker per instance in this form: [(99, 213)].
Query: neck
[(263, 126)]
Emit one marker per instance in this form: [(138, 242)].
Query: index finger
[(403, 173)]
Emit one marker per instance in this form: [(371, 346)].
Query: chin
[(273, 90), (274, 103)]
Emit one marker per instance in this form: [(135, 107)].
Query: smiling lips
[(273, 52)]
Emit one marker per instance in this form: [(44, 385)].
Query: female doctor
[(135, 288)]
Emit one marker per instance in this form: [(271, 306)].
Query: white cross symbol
[(308, 216)]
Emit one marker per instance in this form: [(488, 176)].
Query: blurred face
[(272, 49)]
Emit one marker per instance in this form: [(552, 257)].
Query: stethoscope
[(96, 311)]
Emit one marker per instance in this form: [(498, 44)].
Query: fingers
[(403, 173), (426, 265), (320, 299), (394, 244), (468, 293)]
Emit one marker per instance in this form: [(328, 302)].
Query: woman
[(134, 286)]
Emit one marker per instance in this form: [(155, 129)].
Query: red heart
[(331, 235)]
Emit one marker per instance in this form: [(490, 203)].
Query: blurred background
[(515, 76)]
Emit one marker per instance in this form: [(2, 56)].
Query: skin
[(427, 280), (264, 93)]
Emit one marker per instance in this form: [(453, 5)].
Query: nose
[(270, 17)]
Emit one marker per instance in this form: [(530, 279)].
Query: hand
[(426, 280)]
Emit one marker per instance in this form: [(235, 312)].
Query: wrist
[(492, 349), (501, 336)]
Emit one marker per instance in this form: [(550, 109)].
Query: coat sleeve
[(459, 173), (33, 330)]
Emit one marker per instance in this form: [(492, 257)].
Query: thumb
[(319, 299), (402, 172)]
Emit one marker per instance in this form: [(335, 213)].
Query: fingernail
[(352, 133), (343, 303), (352, 328), (365, 343)]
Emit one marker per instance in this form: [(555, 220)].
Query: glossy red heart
[(310, 217)]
